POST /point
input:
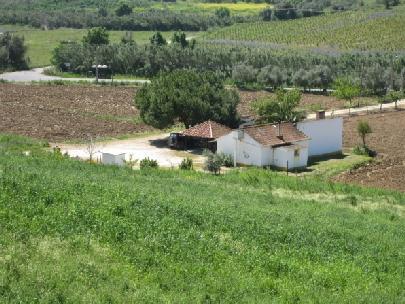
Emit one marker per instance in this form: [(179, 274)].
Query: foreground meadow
[(73, 232)]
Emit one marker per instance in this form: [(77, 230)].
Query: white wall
[(249, 152), (111, 159), (287, 153), (326, 135)]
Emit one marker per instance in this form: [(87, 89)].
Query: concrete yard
[(154, 147)]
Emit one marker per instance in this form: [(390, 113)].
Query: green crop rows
[(362, 30)]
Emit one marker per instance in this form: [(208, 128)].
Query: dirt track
[(58, 113)]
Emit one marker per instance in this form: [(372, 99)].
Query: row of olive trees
[(376, 73), (376, 79)]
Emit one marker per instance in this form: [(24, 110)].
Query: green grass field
[(73, 232), (41, 43), (368, 30), (200, 7)]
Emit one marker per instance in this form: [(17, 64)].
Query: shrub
[(226, 159), (213, 162), (363, 150), (148, 163), (186, 164)]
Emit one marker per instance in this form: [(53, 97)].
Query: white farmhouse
[(284, 145)]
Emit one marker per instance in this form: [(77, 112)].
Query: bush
[(364, 150), (213, 162), (148, 163), (186, 164), (226, 159)]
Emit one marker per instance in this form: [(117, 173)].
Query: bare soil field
[(388, 140), (59, 113), (308, 102)]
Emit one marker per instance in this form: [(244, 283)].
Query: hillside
[(74, 232), (361, 30)]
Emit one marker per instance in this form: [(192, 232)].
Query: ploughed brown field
[(58, 113), (388, 140)]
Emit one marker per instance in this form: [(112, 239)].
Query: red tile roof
[(207, 129), (267, 135)]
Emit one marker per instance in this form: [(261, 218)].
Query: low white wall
[(285, 154), (326, 135), (111, 159)]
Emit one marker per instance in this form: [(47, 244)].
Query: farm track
[(59, 113), (37, 74)]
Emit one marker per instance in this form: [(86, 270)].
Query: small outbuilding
[(280, 145), (202, 135), (284, 145)]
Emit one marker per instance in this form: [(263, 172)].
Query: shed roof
[(267, 134), (207, 129)]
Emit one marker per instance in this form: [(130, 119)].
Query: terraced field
[(371, 30)]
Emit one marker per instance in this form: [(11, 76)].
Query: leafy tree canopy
[(346, 89), (12, 52), (180, 38), (188, 97), (223, 12), (281, 108), (157, 39), (96, 36), (123, 10)]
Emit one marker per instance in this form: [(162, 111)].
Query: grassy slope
[(74, 232), (349, 30), (41, 43)]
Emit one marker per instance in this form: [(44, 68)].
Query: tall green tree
[(180, 38), (123, 10), (272, 76), (12, 52), (96, 36), (345, 89), (158, 40), (394, 96), (282, 108), (188, 97)]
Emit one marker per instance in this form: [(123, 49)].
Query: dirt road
[(38, 75)]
